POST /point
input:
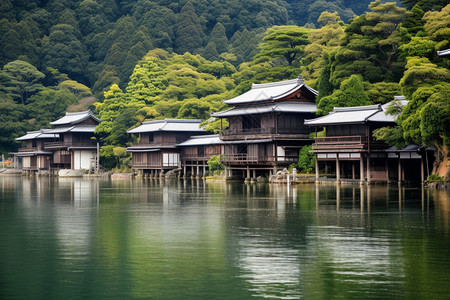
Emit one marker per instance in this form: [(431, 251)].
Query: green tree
[(219, 37), (306, 160), (285, 42), (13, 124), (19, 80), (189, 32), (351, 93)]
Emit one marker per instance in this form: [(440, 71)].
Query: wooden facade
[(196, 152), (156, 152), (68, 145), (266, 127), (350, 153)]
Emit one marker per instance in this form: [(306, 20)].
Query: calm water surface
[(132, 239)]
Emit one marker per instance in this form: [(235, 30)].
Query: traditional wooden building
[(33, 156), (156, 151), (266, 127), (196, 152), (74, 148), (350, 152)]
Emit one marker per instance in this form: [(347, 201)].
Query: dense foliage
[(144, 60)]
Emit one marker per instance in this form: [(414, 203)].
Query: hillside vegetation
[(141, 60)]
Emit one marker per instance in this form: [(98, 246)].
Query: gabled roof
[(287, 107), (79, 128), (39, 134), (182, 125), (271, 91), (356, 115), (75, 118), (443, 52), (200, 140)]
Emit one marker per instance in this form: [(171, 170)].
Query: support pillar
[(338, 169), (368, 167), (248, 172), (361, 169), (422, 169), (399, 169), (353, 171), (317, 169)]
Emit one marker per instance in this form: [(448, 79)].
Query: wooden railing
[(356, 141), (266, 130), (53, 145), (242, 158), (31, 149)]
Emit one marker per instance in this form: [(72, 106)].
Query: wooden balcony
[(340, 142), (244, 159), (31, 149), (186, 157), (62, 145), (346, 143), (262, 133)]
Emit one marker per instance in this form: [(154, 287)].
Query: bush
[(215, 164), (435, 178)]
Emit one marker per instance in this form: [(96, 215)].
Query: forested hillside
[(142, 60)]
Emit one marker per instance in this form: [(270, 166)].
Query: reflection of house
[(267, 127), (196, 152), (350, 151), (75, 148), (33, 154), (156, 151)]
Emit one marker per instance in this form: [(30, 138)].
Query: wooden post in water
[(338, 169)]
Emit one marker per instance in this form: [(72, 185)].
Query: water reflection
[(191, 239)]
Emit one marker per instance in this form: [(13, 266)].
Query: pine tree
[(189, 33)]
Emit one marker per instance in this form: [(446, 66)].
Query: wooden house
[(196, 152), (156, 151), (74, 148), (350, 152), (33, 156), (266, 127)]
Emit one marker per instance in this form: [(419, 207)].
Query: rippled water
[(128, 239)]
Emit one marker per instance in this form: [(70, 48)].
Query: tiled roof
[(270, 91), (293, 107), (182, 125), (200, 140), (39, 134), (80, 128), (356, 114), (74, 118)]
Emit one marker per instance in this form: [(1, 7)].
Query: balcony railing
[(268, 130), (340, 142), (346, 142), (31, 149), (56, 145), (242, 158)]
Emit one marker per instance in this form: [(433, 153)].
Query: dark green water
[(102, 239)]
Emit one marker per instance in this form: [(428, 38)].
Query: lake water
[(134, 239)]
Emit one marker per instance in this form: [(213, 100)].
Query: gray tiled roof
[(39, 134), (200, 140), (356, 114), (270, 91), (182, 125), (80, 128), (74, 118), (292, 107)]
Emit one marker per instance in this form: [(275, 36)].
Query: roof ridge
[(276, 83), (357, 108), (78, 112)]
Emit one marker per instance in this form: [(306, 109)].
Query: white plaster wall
[(26, 162), (82, 158)]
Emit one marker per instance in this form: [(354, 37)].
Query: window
[(170, 159)]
